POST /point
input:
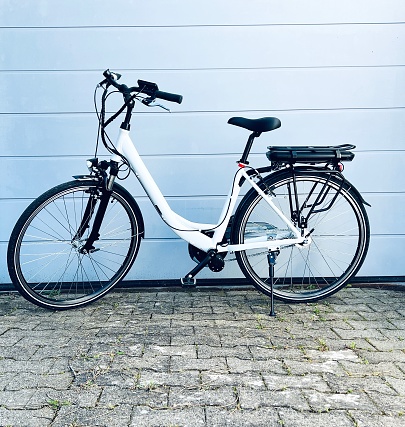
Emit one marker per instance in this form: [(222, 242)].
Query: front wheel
[(44, 258), (339, 235)]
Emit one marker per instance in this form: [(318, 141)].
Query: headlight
[(91, 163)]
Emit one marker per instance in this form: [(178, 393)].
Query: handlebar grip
[(111, 75), (172, 97)]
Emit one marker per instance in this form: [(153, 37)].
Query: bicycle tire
[(44, 261), (339, 240)]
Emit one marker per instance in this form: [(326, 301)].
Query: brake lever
[(151, 103), (101, 84)]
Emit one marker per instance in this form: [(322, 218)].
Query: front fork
[(106, 187)]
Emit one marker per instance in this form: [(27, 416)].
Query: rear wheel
[(44, 258), (339, 236)]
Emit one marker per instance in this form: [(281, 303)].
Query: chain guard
[(216, 264)]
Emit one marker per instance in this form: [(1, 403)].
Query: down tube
[(183, 228)]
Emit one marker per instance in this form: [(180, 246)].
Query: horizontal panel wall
[(39, 135), (199, 175), (171, 257), (233, 90), (221, 47), (51, 13), (383, 214), (332, 73)]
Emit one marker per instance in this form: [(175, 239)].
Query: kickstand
[(271, 258)]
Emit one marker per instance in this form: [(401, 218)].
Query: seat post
[(248, 147)]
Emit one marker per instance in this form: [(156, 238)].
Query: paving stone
[(285, 382), (215, 364), (199, 323), (389, 315), (359, 333), (62, 351), (262, 341), (102, 376), (159, 363), (398, 384), (297, 343), (6, 378), (271, 352), (211, 339), (400, 366), (387, 345), (371, 369), (186, 351), (374, 356), (17, 399), (364, 419), (28, 418), (262, 417), (241, 366), (295, 367), (321, 402), (11, 337), (180, 397), (131, 338), (29, 380), (376, 324), (291, 418), (208, 319), (118, 416), (253, 380), (17, 352), (239, 351), (153, 397), (252, 399), (77, 396), (143, 416), (355, 343), (188, 379), (40, 338), (360, 384), (389, 405), (30, 366), (351, 310), (399, 323), (396, 335)]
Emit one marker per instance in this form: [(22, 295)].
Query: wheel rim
[(307, 272), (48, 261)]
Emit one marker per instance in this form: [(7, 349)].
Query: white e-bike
[(299, 233)]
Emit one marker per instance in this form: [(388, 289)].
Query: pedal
[(188, 282)]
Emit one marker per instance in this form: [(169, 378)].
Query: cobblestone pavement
[(205, 358)]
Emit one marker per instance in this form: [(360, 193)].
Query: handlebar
[(145, 87)]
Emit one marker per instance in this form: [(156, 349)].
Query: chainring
[(216, 264)]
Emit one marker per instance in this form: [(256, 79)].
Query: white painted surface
[(333, 72)]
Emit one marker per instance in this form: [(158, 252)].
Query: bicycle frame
[(192, 232)]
